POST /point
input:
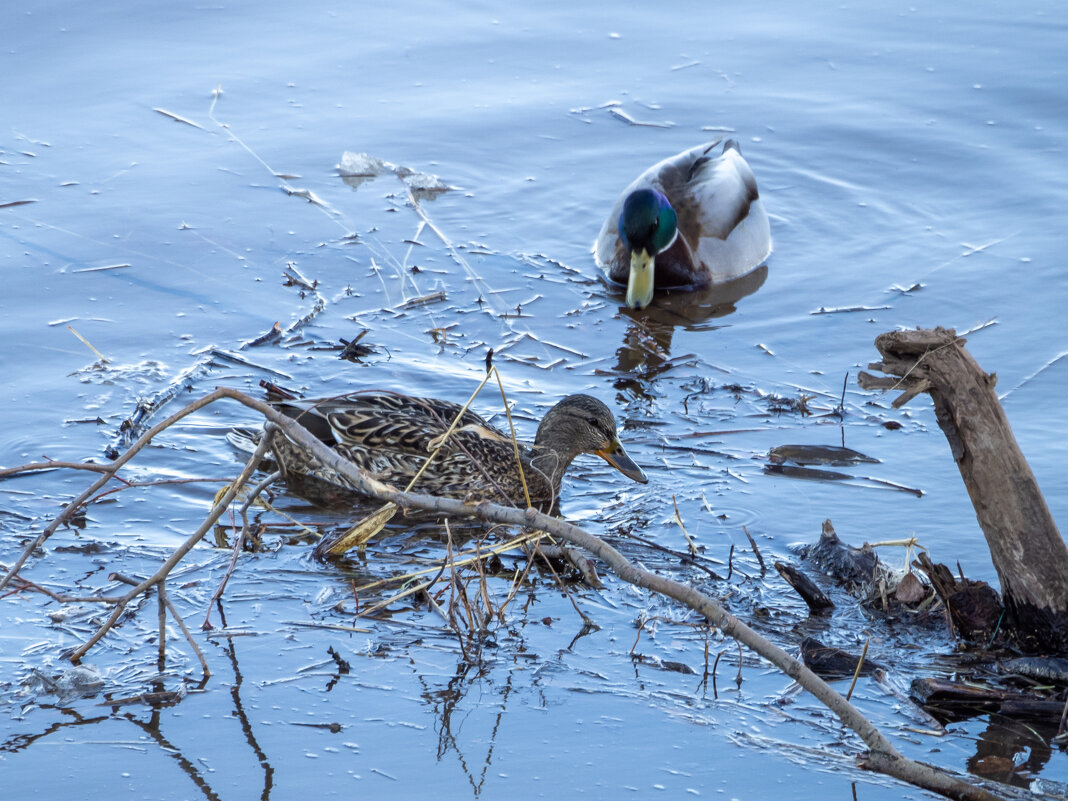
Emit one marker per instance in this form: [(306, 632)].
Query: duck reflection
[(646, 349)]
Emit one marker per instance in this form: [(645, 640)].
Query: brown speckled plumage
[(391, 436)]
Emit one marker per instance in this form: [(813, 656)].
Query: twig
[(685, 533), (704, 677), (511, 428), (239, 542), (166, 599), (715, 690), (185, 630), (161, 619), (517, 582), (756, 550), (685, 558), (179, 554), (53, 464), (100, 356)]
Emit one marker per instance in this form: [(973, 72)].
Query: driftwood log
[(1027, 550)]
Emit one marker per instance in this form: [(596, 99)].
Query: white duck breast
[(723, 230)]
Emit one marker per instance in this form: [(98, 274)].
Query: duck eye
[(592, 421)]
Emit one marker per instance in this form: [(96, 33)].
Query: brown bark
[(1027, 550)]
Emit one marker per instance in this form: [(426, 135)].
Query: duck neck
[(551, 459)]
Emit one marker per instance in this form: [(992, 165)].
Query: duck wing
[(392, 435), (394, 422), (384, 421), (712, 194), (724, 231)]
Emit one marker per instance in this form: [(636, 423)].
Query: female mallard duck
[(696, 217), (391, 435)]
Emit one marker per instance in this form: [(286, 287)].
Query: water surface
[(897, 149)]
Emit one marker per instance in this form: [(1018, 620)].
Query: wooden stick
[(178, 555), (177, 619), (1028, 552)]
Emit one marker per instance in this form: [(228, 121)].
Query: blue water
[(893, 147)]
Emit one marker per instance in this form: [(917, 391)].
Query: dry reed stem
[(856, 673), (678, 520), (515, 442)]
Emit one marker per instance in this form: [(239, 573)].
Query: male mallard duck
[(391, 435), (696, 217)]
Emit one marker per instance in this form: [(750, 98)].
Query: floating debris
[(354, 351), (294, 278), (101, 268), (263, 339), (823, 660), (355, 168), (178, 118), (423, 300), (234, 358), (904, 290), (308, 195), (79, 681), (818, 454), (848, 309), (587, 109), (620, 114)]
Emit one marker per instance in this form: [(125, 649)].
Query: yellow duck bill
[(640, 284)]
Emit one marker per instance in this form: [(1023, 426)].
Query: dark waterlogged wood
[(959, 699), (829, 662), (817, 601), (1027, 550), (853, 568), (974, 607)]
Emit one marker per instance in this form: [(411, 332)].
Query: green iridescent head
[(647, 226)]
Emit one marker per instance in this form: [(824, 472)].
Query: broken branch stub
[(1028, 552)]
